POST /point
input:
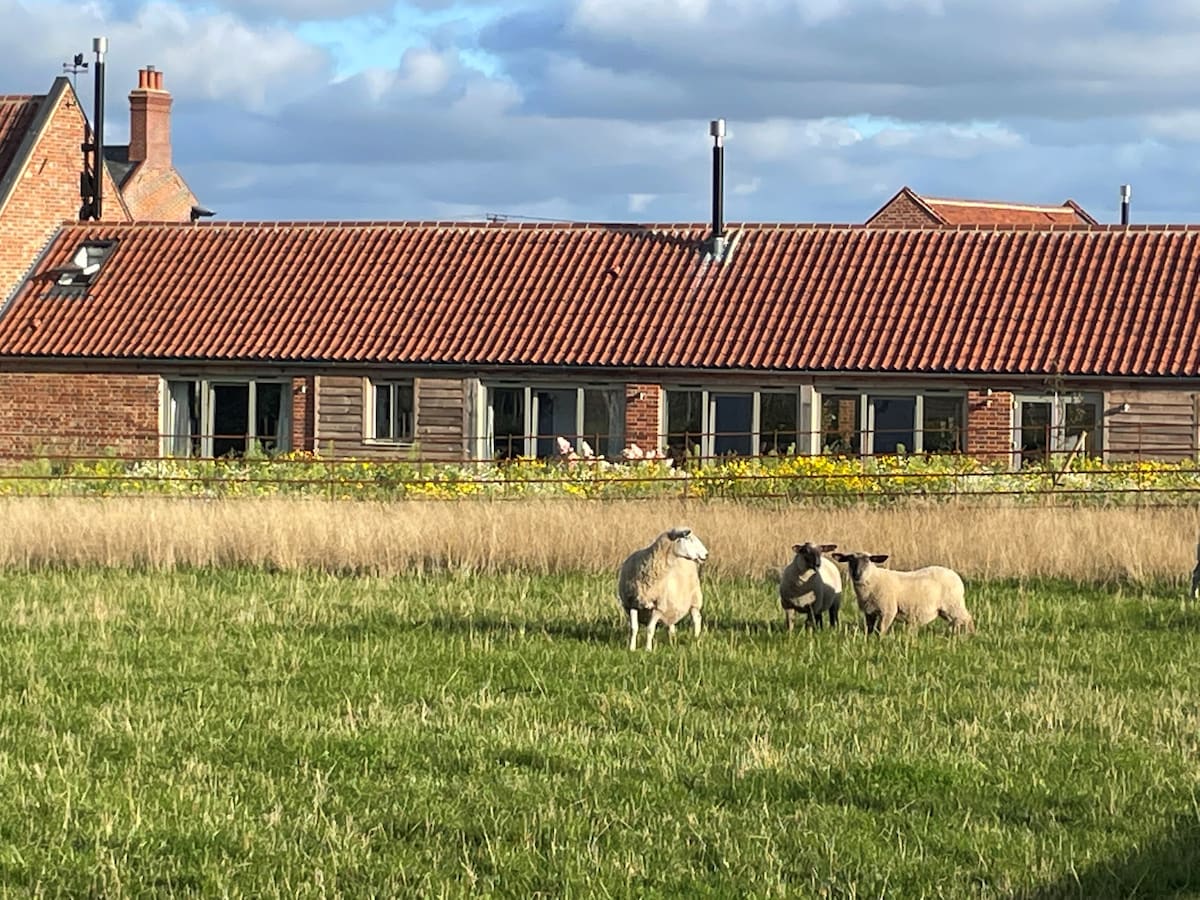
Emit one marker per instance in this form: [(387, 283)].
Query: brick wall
[(989, 425), (46, 193), (303, 424), (46, 414), (902, 212), (641, 415)]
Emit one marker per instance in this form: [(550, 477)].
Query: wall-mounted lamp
[(1125, 407)]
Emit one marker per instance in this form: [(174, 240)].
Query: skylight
[(75, 276)]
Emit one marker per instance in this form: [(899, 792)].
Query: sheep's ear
[(796, 548), (878, 557), (842, 557), (828, 548), (678, 534)]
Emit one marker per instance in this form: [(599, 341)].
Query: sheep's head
[(859, 563), (809, 555), (685, 543)]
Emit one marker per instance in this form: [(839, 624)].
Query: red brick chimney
[(150, 120)]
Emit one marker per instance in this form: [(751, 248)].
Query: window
[(731, 423), (877, 423), (391, 413), (528, 421), (225, 418), (778, 423), (839, 424), (74, 277), (1045, 425)]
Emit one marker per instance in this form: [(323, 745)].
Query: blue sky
[(599, 109)]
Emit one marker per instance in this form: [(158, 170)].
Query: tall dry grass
[(541, 537)]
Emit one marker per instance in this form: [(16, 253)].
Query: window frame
[(371, 388), (709, 397), (1059, 443), (864, 398), (530, 436), (203, 388)]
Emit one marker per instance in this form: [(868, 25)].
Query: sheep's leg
[(790, 614), (696, 621), (833, 616), (654, 619), (886, 618), (671, 633), (633, 626)]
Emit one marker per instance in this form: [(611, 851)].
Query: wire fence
[(1066, 477)]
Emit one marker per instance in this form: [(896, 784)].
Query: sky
[(599, 110)]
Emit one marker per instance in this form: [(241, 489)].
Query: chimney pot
[(141, 79)]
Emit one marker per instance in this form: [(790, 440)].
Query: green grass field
[(250, 734)]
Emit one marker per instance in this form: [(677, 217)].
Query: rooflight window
[(75, 276)]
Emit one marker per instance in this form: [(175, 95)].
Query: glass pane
[(508, 422), (685, 422), (403, 412), (231, 418), (383, 412), (183, 422), (894, 423), (1035, 431), (839, 424), (1081, 418), (732, 430), (268, 403), (943, 425), (778, 415), (555, 419), (604, 421)]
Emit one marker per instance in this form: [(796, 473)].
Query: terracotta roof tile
[(1076, 300), (985, 212)]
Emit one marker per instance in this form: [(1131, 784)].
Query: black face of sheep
[(809, 555), (857, 562)]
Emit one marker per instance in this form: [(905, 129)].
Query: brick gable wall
[(903, 212), (46, 193)]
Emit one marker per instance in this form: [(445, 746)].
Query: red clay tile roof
[(908, 209), (17, 112), (1101, 300), (987, 212)]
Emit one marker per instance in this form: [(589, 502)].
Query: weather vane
[(74, 67)]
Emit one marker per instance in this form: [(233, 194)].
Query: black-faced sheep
[(661, 583), (811, 583), (916, 597)]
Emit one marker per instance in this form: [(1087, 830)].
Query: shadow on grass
[(1166, 867)]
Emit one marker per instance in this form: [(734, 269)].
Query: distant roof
[(17, 113), (1097, 300), (951, 211)]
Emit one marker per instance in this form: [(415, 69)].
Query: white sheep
[(916, 597), (661, 583), (811, 583)]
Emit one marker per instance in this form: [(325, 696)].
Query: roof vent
[(1126, 193)]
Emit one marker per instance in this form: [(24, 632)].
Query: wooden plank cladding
[(1152, 425), (342, 423)]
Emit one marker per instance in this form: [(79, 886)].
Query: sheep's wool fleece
[(656, 578)]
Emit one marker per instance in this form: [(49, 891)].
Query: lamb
[(812, 583), (661, 583), (916, 597)]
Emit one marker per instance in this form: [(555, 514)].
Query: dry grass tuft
[(553, 536)]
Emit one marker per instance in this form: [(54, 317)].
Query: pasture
[(481, 729)]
